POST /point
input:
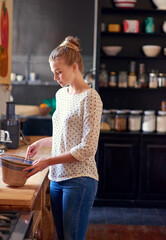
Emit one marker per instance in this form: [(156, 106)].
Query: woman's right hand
[(33, 149)]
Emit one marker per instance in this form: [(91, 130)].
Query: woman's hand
[(37, 166), (33, 149)]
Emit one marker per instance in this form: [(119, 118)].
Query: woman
[(76, 125)]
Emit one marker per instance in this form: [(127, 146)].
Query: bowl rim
[(23, 163), (147, 46)]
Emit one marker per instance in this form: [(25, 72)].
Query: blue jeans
[(71, 202)]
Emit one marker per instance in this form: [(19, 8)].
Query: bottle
[(149, 25), (103, 76), (132, 76), (142, 77)]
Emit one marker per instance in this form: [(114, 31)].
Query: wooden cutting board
[(22, 197)]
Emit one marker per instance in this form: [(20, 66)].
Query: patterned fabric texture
[(76, 127)]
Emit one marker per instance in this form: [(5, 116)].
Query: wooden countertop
[(23, 198)]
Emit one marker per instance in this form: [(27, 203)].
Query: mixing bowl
[(124, 3), (12, 167), (151, 50), (112, 50)]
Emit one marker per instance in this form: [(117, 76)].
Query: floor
[(128, 216), (107, 223)]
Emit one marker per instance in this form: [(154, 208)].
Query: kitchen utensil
[(151, 50), (112, 50), (12, 167), (124, 3)]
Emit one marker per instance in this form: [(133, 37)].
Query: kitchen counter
[(32, 196)]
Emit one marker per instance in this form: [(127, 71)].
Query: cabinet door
[(118, 168), (153, 168)]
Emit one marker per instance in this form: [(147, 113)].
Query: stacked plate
[(124, 3)]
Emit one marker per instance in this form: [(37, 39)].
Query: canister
[(134, 120), (161, 121), (149, 121), (106, 120), (121, 120)]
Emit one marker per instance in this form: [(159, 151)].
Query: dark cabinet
[(132, 169), (118, 165), (153, 168)]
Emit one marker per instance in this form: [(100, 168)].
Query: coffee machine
[(11, 123)]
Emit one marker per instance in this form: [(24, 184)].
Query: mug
[(4, 136)]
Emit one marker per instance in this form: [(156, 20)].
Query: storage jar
[(161, 121), (149, 121), (121, 120), (134, 120), (106, 120)]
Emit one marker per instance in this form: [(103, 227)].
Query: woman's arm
[(43, 163), (34, 147)]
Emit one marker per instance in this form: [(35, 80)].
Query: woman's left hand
[(38, 166)]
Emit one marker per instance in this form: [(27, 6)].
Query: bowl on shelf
[(12, 167), (160, 4), (44, 109), (112, 50), (124, 3), (151, 50)]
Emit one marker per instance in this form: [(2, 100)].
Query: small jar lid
[(121, 112), (106, 110), (148, 112), (136, 112), (162, 113)]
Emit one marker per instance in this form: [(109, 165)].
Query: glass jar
[(161, 121), (153, 80), (134, 120), (106, 120), (162, 80), (103, 76), (121, 120), (112, 80), (149, 121), (122, 79), (113, 113)]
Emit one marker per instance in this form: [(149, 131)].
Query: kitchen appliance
[(15, 225), (11, 123)]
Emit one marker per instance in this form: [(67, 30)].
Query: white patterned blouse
[(76, 127)]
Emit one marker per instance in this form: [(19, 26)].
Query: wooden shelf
[(123, 34), (106, 10)]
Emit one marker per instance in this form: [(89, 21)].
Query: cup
[(32, 76), (4, 136)]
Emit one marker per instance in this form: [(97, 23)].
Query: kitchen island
[(31, 198)]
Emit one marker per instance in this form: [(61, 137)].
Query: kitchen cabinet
[(132, 51), (118, 159), (132, 169), (152, 167)]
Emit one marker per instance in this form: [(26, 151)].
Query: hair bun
[(71, 42)]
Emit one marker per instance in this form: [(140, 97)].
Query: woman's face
[(63, 73)]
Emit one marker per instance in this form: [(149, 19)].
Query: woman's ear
[(75, 66)]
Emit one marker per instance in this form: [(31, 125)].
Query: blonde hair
[(69, 51)]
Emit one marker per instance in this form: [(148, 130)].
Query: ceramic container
[(112, 50), (12, 167), (151, 50), (124, 3), (160, 4)]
